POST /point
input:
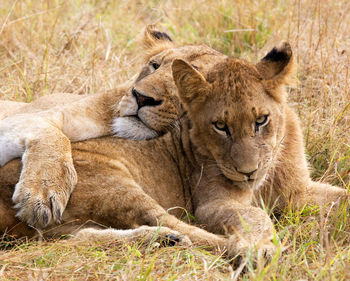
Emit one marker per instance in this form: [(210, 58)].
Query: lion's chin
[(131, 127)]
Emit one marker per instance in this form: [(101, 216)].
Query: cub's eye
[(221, 127), (261, 121), (154, 65)]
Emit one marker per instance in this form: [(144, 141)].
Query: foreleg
[(43, 140), (128, 207), (247, 227)]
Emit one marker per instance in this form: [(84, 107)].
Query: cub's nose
[(143, 100)]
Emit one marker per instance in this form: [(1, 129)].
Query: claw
[(171, 240), (237, 262), (59, 215), (45, 218), (56, 209), (51, 203)]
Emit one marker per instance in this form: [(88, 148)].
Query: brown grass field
[(90, 46)]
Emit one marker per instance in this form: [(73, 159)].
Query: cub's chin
[(250, 184), (131, 127)]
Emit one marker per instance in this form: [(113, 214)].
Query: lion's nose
[(143, 100)]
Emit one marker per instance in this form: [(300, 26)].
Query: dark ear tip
[(281, 53), (286, 48), (161, 35)]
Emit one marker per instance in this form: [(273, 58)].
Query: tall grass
[(91, 46)]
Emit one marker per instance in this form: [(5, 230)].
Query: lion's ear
[(191, 84), (277, 67), (155, 41)]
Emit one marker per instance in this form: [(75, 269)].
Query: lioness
[(238, 136), (140, 109)]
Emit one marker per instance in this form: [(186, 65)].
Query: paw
[(164, 236), (171, 240), (174, 238), (43, 191), (259, 252)]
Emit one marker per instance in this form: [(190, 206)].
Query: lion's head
[(151, 104), (237, 113)]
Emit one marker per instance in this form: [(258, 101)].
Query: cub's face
[(151, 105), (237, 116), (243, 124)]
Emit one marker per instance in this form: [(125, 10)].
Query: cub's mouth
[(245, 184), (232, 175), (240, 180)]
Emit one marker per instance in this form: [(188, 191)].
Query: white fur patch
[(11, 141), (110, 233), (9, 149), (15, 132), (128, 126), (132, 128)]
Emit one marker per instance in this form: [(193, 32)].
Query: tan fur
[(126, 184), (41, 130), (9, 107)]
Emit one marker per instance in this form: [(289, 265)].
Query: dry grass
[(90, 46)]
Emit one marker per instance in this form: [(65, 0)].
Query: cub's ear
[(278, 64), (191, 84), (152, 38), (277, 68)]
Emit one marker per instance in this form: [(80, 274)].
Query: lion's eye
[(154, 65), (261, 121), (221, 127)]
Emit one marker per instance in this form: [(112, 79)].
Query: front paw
[(43, 191), (250, 251), (166, 236)]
